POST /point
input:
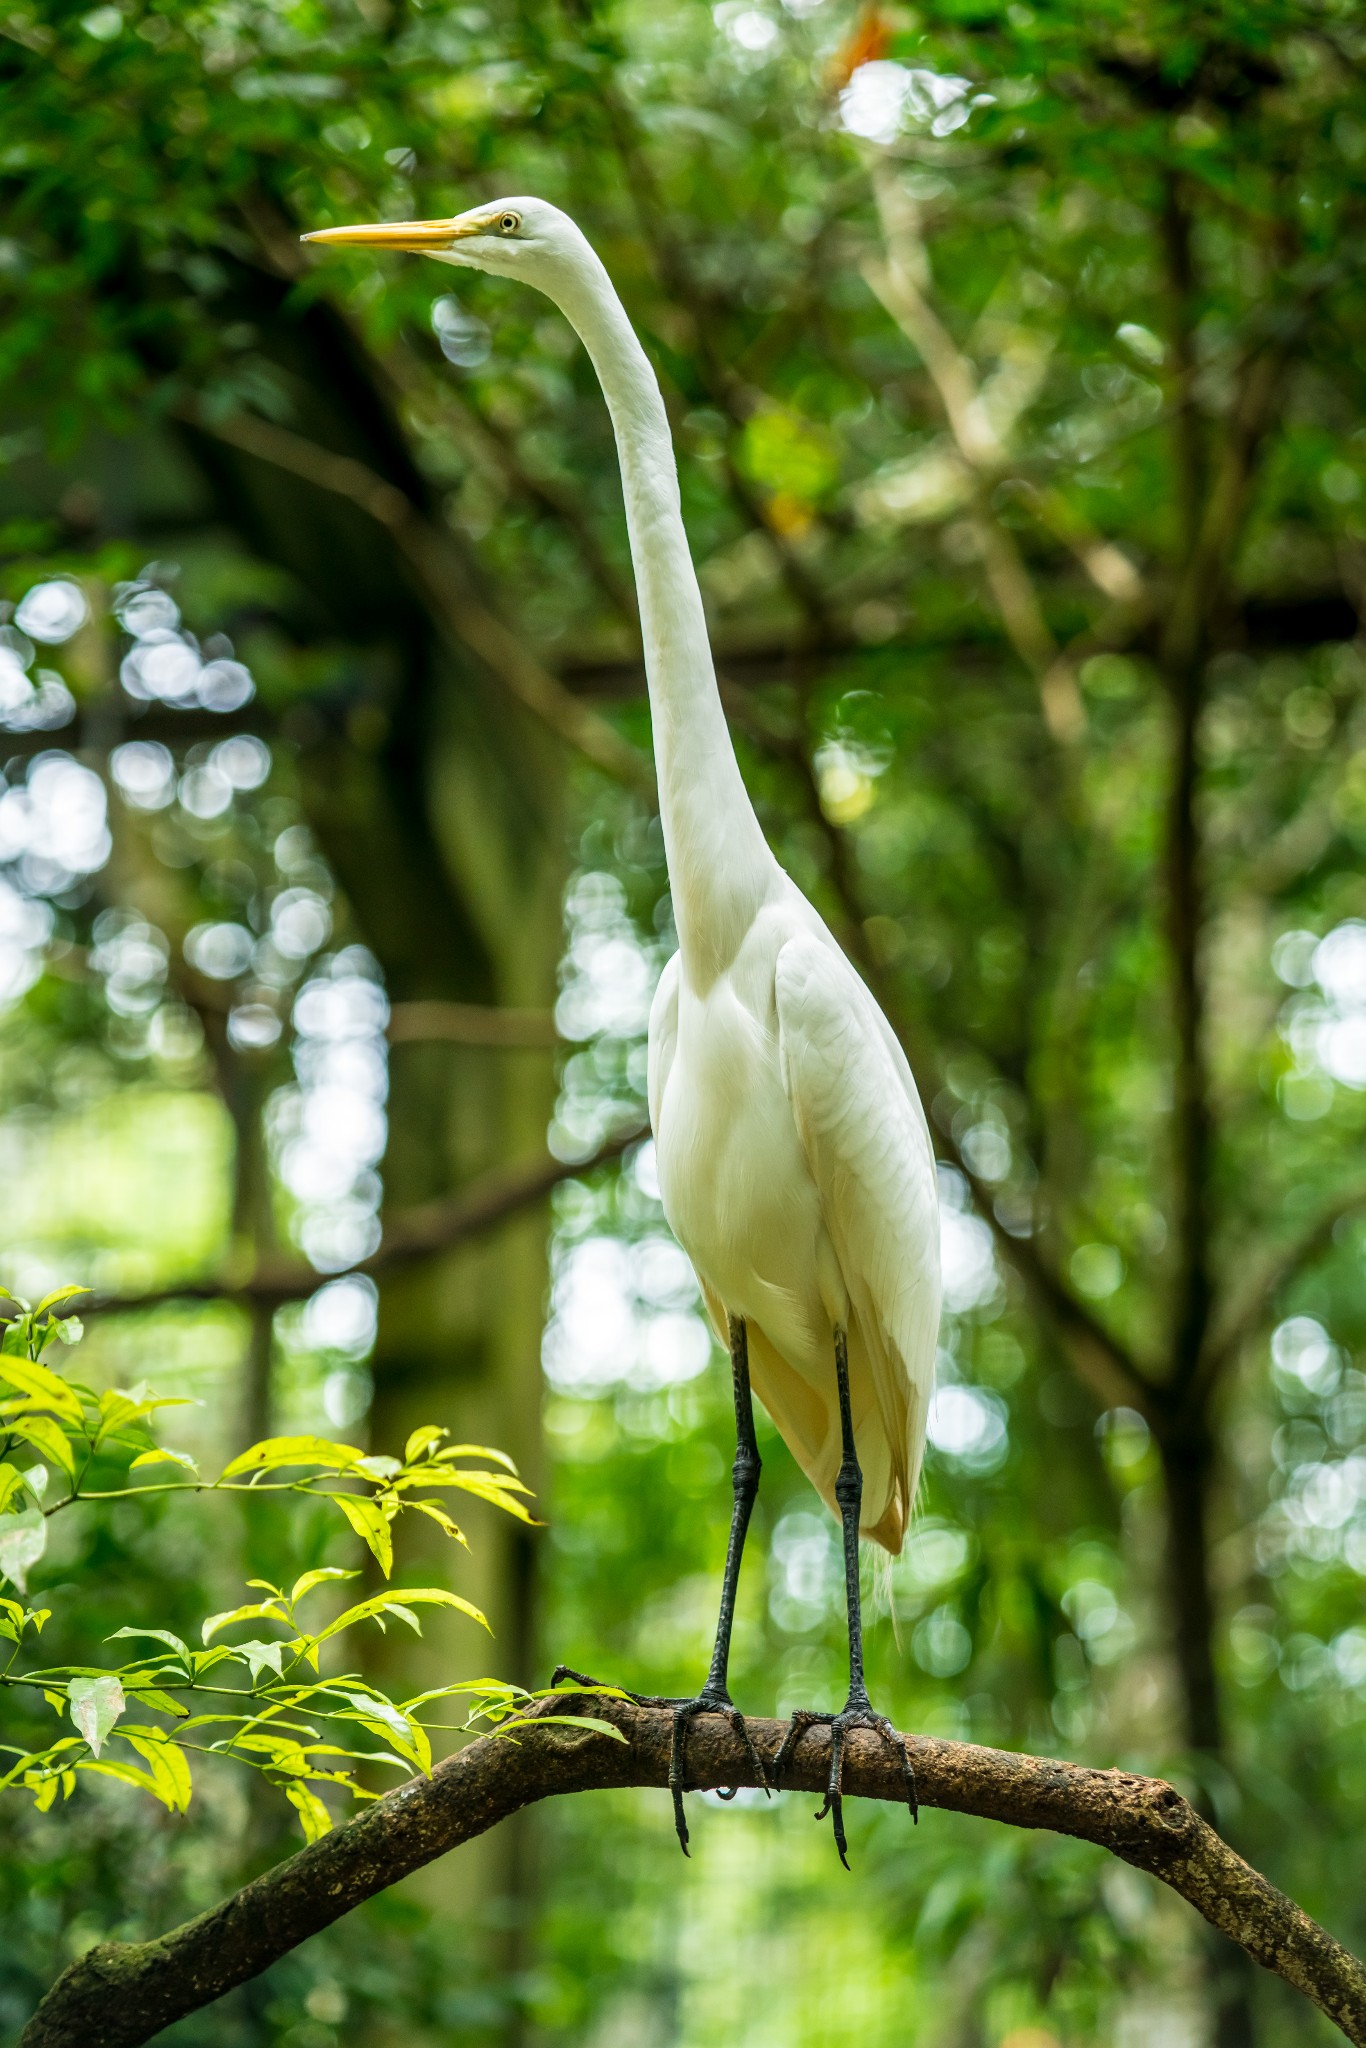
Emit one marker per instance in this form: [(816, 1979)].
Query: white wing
[(663, 1037), (868, 1148)]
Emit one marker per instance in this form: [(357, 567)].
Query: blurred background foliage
[(1014, 356)]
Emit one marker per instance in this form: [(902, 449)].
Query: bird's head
[(523, 238)]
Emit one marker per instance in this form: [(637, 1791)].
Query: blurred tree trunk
[(439, 805), (1189, 1474), (459, 1336)]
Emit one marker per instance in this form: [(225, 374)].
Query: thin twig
[(1241, 1315), (901, 283), (1101, 1359), (712, 361), (471, 1024), (437, 568), (415, 1233), (494, 452)]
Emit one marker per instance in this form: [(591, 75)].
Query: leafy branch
[(264, 1700)]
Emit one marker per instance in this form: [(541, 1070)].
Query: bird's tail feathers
[(884, 1593)]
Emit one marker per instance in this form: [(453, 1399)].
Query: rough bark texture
[(124, 1993)]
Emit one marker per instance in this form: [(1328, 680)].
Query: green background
[(1023, 466)]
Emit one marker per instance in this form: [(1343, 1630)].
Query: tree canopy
[(1014, 358)]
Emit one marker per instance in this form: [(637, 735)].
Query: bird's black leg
[(714, 1697), (857, 1711)]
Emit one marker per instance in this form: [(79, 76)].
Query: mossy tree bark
[(119, 1995)]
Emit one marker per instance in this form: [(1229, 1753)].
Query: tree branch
[(494, 453), (121, 1994), (1101, 1360), (1240, 1317), (1192, 1121), (712, 362), (471, 1024), (900, 284), (1186, 645), (436, 567), (436, 1226), (415, 1233)]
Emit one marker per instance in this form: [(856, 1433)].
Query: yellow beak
[(415, 235)]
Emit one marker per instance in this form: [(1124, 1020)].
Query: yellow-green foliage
[(262, 1699)]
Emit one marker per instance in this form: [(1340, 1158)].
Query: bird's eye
[(508, 223)]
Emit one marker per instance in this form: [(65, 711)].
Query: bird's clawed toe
[(684, 1712), (857, 1713), (567, 1671)]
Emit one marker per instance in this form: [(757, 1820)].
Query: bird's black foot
[(856, 1713), (683, 1711)]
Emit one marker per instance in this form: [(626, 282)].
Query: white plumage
[(794, 1159), (796, 1172)]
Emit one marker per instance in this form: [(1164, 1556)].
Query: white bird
[(794, 1159)]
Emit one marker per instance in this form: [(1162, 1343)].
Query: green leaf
[(441, 1518), (205, 1661), (378, 1469), (477, 1451), (371, 1524), (495, 1688), (384, 1719), (43, 1758), (314, 1816), (151, 1696), (502, 1482), (422, 1441), (70, 1329), (486, 1488), (154, 1635), (162, 1456), (260, 1610), (259, 1657), (127, 1774), (46, 1436), (23, 1539), (42, 1385), (318, 1578), (120, 1408), (397, 1602), (60, 1294), (168, 1763), (96, 1704), (44, 1790), (562, 1721), (279, 1451), (11, 1482)]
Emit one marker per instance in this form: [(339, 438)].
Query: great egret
[(794, 1159)]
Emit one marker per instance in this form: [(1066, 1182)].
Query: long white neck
[(720, 866)]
